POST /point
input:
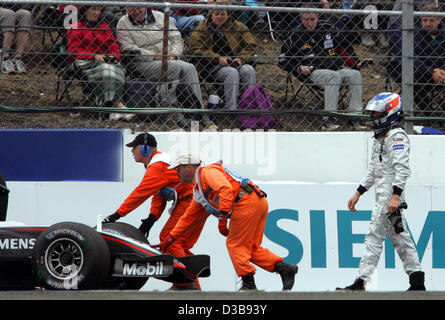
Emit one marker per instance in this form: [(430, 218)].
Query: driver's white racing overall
[(388, 170)]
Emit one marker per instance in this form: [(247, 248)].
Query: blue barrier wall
[(58, 155)]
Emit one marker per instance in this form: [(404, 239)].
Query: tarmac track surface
[(219, 296)]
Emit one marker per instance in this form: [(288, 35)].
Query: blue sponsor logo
[(433, 230), (398, 147)]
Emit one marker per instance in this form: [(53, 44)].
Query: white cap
[(185, 159)]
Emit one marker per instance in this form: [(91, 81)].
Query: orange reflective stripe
[(224, 188)]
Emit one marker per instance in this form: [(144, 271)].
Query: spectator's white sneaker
[(119, 116), (129, 116), (8, 66), (19, 66), (116, 116)]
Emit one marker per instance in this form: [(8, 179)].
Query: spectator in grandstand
[(186, 20), (394, 63), (96, 55), (395, 27), (16, 23), (429, 50), (142, 30), (316, 53), (107, 15), (284, 21), (224, 48)]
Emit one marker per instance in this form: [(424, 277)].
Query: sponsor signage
[(158, 268), (136, 269), (17, 243), (432, 230)]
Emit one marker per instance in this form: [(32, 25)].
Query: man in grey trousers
[(316, 53), (141, 29)]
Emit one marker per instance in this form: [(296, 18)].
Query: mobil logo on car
[(136, 269)]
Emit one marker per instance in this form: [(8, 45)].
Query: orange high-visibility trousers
[(246, 229), (181, 246)]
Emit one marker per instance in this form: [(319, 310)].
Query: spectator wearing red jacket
[(96, 55)]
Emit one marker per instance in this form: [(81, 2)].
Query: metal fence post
[(408, 60)]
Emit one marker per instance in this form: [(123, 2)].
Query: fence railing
[(75, 65)]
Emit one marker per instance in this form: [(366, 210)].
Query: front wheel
[(70, 256)]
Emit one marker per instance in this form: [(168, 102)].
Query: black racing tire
[(70, 256), (130, 231)]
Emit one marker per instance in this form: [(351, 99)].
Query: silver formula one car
[(74, 256)]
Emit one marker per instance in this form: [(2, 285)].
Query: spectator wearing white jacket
[(141, 29)]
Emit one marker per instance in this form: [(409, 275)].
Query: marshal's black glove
[(147, 224), (112, 218)]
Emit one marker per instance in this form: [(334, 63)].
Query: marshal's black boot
[(287, 272), (248, 282)]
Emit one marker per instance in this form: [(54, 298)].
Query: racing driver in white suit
[(388, 170)]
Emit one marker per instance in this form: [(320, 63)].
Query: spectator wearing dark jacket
[(317, 53), (429, 51)]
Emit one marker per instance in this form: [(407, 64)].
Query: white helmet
[(388, 103)]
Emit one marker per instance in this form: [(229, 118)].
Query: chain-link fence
[(161, 66)]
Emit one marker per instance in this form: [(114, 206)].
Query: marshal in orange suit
[(227, 196), (163, 184)]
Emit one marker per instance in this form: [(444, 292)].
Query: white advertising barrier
[(308, 224), (293, 156)]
